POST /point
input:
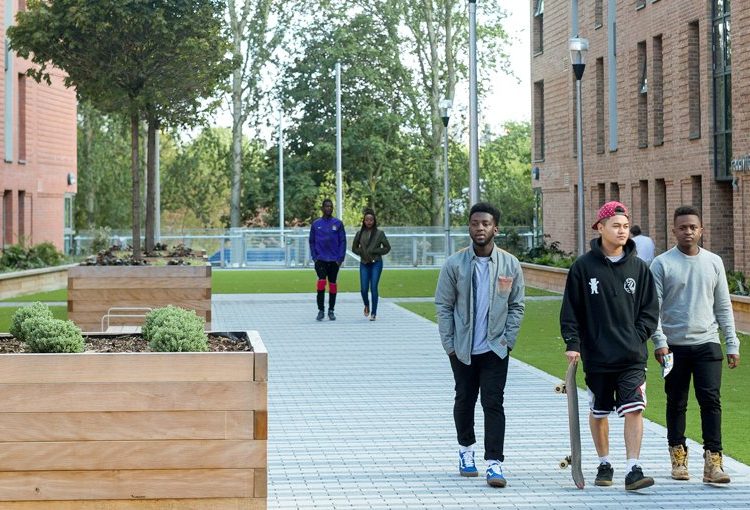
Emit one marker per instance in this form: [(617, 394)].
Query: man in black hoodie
[(609, 311)]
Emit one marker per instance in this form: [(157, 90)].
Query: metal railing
[(248, 248)]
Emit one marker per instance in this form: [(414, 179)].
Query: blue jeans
[(369, 277)]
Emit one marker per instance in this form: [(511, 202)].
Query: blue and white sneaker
[(495, 476), (466, 466)]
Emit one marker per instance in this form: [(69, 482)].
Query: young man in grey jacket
[(479, 300), (692, 288)]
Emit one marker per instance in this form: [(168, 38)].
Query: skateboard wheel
[(565, 463), (560, 388)]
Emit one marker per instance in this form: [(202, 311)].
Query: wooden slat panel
[(139, 271), (147, 504), (127, 367), (151, 294), (123, 484), (111, 455), (261, 356), (260, 426), (125, 426), (138, 283), (158, 396), (261, 483), (96, 317)]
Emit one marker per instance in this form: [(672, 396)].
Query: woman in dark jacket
[(370, 244)]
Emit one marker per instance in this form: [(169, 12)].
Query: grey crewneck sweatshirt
[(694, 299)]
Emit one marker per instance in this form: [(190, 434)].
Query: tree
[(432, 36), (257, 31), (116, 53)]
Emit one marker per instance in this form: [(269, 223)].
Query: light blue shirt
[(481, 284)]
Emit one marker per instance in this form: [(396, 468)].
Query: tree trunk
[(153, 125), (135, 170), (237, 121)]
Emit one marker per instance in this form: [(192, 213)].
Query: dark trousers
[(703, 363), (327, 269), (369, 277), (487, 373)]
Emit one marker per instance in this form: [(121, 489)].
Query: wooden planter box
[(134, 431), (544, 277), (553, 278), (32, 281), (94, 290)]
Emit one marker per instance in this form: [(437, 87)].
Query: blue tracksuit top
[(327, 240)]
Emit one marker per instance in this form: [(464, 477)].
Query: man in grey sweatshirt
[(694, 296)]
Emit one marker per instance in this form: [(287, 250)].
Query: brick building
[(38, 141), (666, 121)]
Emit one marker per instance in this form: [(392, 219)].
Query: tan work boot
[(679, 456), (713, 469)]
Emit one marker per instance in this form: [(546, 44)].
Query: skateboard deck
[(574, 459)]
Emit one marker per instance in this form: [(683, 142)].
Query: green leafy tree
[(117, 54)]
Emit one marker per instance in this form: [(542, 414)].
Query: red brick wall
[(672, 170), (50, 114)]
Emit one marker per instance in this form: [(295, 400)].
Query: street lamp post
[(473, 107), (445, 109), (578, 48)]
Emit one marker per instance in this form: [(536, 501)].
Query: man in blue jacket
[(609, 311), (327, 250), (479, 300)]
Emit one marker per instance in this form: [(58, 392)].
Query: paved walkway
[(360, 417)]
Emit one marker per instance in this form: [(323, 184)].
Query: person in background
[(327, 250), (692, 287), (480, 305), (609, 311), (370, 243), (644, 245)]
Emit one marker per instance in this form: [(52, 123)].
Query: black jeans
[(704, 363), (487, 373)]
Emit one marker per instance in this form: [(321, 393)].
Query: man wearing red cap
[(609, 311)]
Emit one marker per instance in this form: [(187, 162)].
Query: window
[(694, 80), (643, 186), (642, 95), (538, 217), (22, 217), (601, 190), (21, 98), (598, 13), (640, 4), (8, 231), (68, 223), (660, 215), (657, 91), (600, 105), (539, 26), (722, 83), (614, 191), (697, 191), (539, 120)]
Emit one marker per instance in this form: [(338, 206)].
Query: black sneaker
[(604, 474), (331, 315), (635, 479), (320, 315)]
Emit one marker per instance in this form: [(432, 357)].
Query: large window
[(642, 95), (539, 120), (722, 60), (600, 105), (657, 91), (539, 26), (694, 80)]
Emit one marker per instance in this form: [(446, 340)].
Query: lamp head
[(578, 48), (445, 110)]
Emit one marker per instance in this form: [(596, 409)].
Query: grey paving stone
[(360, 417)]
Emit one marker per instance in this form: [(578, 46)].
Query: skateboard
[(574, 459)]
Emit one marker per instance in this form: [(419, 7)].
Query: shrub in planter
[(44, 334), (174, 329), (36, 310)]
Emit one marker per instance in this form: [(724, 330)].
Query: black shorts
[(623, 392), (327, 270)]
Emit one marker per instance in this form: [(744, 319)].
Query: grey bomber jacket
[(454, 298)]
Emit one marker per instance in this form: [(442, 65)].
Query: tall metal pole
[(473, 108), (281, 177), (579, 145), (446, 192), (157, 188), (339, 190)]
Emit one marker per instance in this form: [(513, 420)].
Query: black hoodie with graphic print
[(610, 309)]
